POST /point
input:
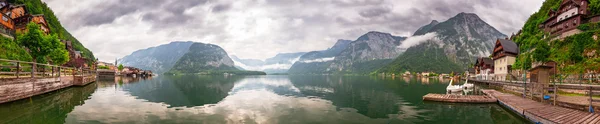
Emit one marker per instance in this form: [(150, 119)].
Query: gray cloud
[(262, 28), (221, 8), (374, 12)]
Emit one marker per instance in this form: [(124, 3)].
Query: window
[(4, 18), (573, 14), (575, 21)]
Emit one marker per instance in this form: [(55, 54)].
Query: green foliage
[(39, 7), (10, 49), (594, 6), (103, 67), (41, 45), (59, 55), (531, 33), (524, 62), (422, 58), (589, 26), (121, 67), (542, 52)]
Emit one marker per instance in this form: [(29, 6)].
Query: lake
[(253, 99)]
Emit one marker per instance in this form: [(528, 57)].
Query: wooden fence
[(12, 69)]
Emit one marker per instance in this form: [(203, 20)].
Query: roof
[(485, 60), (509, 46)]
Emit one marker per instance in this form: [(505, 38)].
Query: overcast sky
[(262, 28)]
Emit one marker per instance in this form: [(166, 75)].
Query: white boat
[(467, 85), (453, 88)]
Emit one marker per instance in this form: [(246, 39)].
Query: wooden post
[(52, 74), (591, 107), (555, 96), (18, 69), (525, 85), (33, 70), (58, 71)]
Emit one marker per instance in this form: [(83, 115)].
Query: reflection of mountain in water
[(358, 93), (187, 90), (49, 108)]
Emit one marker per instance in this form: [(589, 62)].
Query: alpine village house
[(561, 23), (15, 19), (564, 21)]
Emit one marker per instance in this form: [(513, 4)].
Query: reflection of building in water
[(406, 79), (425, 80)]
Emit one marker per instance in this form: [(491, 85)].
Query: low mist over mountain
[(280, 63), (461, 39), (159, 59), (318, 61), (367, 53)]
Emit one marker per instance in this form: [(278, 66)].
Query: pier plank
[(459, 98), (539, 112)]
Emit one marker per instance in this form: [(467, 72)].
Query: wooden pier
[(19, 80), (543, 113), (459, 98)]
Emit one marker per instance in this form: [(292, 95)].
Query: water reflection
[(50, 108), (252, 99)]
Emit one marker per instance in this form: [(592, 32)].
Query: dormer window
[(573, 14)]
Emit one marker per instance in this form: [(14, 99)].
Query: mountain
[(425, 29), (318, 61), (203, 58), (367, 53), (280, 63), (462, 38), (159, 59)]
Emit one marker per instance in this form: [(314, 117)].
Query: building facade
[(570, 14), (504, 56), (484, 67)]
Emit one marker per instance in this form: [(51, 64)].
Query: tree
[(41, 45), (594, 6), (576, 50), (542, 52), (121, 67)]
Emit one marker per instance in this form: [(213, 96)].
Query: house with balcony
[(504, 56), (16, 18), (484, 68), (563, 22)]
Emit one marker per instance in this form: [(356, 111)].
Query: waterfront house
[(504, 56), (109, 65), (484, 67), (570, 14)]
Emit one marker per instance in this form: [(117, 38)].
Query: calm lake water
[(253, 99)]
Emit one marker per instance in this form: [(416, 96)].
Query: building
[(109, 65), (483, 68), (21, 23), (504, 56), (570, 14), (20, 17), (14, 11)]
